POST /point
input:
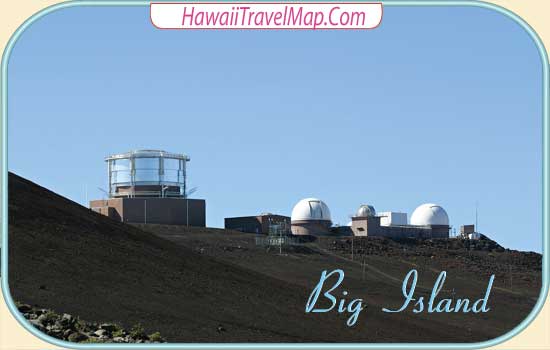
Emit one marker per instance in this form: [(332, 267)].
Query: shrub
[(156, 337), (50, 317), (92, 340), (137, 332), (119, 333)]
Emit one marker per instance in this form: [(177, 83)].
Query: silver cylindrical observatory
[(147, 173)]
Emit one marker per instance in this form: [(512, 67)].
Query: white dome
[(310, 209), (365, 211), (429, 214)]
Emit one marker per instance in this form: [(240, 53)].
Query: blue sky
[(436, 105)]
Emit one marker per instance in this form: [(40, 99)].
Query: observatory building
[(427, 221), (432, 216), (310, 216), (260, 224), (150, 187), (365, 211)]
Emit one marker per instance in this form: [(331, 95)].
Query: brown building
[(465, 230), (256, 224), (370, 226), (170, 211)]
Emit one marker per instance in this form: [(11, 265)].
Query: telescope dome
[(310, 209), (365, 211), (429, 214)]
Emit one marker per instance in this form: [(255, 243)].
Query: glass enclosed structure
[(147, 173)]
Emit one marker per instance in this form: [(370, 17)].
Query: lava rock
[(70, 328)]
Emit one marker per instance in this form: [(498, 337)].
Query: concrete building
[(392, 218), (259, 224), (427, 221), (150, 186)]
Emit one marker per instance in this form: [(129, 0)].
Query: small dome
[(365, 211), (310, 209), (429, 214)]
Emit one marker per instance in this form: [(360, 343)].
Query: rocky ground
[(69, 328), (483, 257)]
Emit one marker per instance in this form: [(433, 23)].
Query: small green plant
[(50, 317), (79, 324), (92, 340), (137, 332), (119, 331), (156, 337)]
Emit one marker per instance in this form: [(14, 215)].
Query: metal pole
[(161, 175), (280, 240), (183, 165), (109, 176), (133, 175)]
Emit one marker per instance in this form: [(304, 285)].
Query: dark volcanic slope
[(68, 258), (378, 280), (186, 282)]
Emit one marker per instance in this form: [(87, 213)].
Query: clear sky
[(436, 105)]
